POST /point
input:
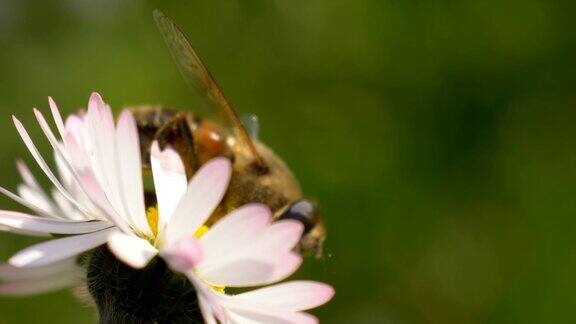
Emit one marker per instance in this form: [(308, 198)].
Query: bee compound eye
[(302, 211)]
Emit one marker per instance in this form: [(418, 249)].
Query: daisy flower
[(99, 199)]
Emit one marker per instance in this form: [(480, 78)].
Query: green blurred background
[(438, 136)]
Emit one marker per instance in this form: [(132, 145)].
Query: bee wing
[(194, 71)]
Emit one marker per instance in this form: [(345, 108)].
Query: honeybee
[(155, 294), (259, 175)]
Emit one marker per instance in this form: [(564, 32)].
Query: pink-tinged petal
[(105, 156), (12, 273), (204, 193), (279, 237), (102, 132), (34, 224), (77, 126), (238, 273), (131, 250), (97, 196), (40, 285), (206, 310), (42, 163), (170, 180), (77, 154), (57, 117), (63, 161), (69, 175), (77, 141), (131, 171), (284, 266), (234, 231), (209, 296), (58, 249), (271, 246), (290, 296), (183, 255), (244, 271)]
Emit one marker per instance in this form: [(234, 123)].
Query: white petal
[(105, 157), (12, 273), (272, 246), (77, 125), (209, 296), (170, 180), (38, 199), (131, 171), (42, 163), (245, 272), (78, 145), (37, 209), (284, 267), (40, 285), (68, 210), (239, 273), (132, 250), (57, 117), (68, 174), (64, 170), (290, 296), (64, 166), (27, 175), (234, 232), (281, 236), (97, 196), (251, 271), (206, 310), (234, 318), (23, 232), (205, 191), (244, 316), (31, 223), (58, 249)]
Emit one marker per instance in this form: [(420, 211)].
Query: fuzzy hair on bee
[(154, 294)]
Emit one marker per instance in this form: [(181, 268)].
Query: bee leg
[(177, 133)]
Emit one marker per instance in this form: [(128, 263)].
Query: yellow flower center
[(220, 289), (152, 217), (201, 231)]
